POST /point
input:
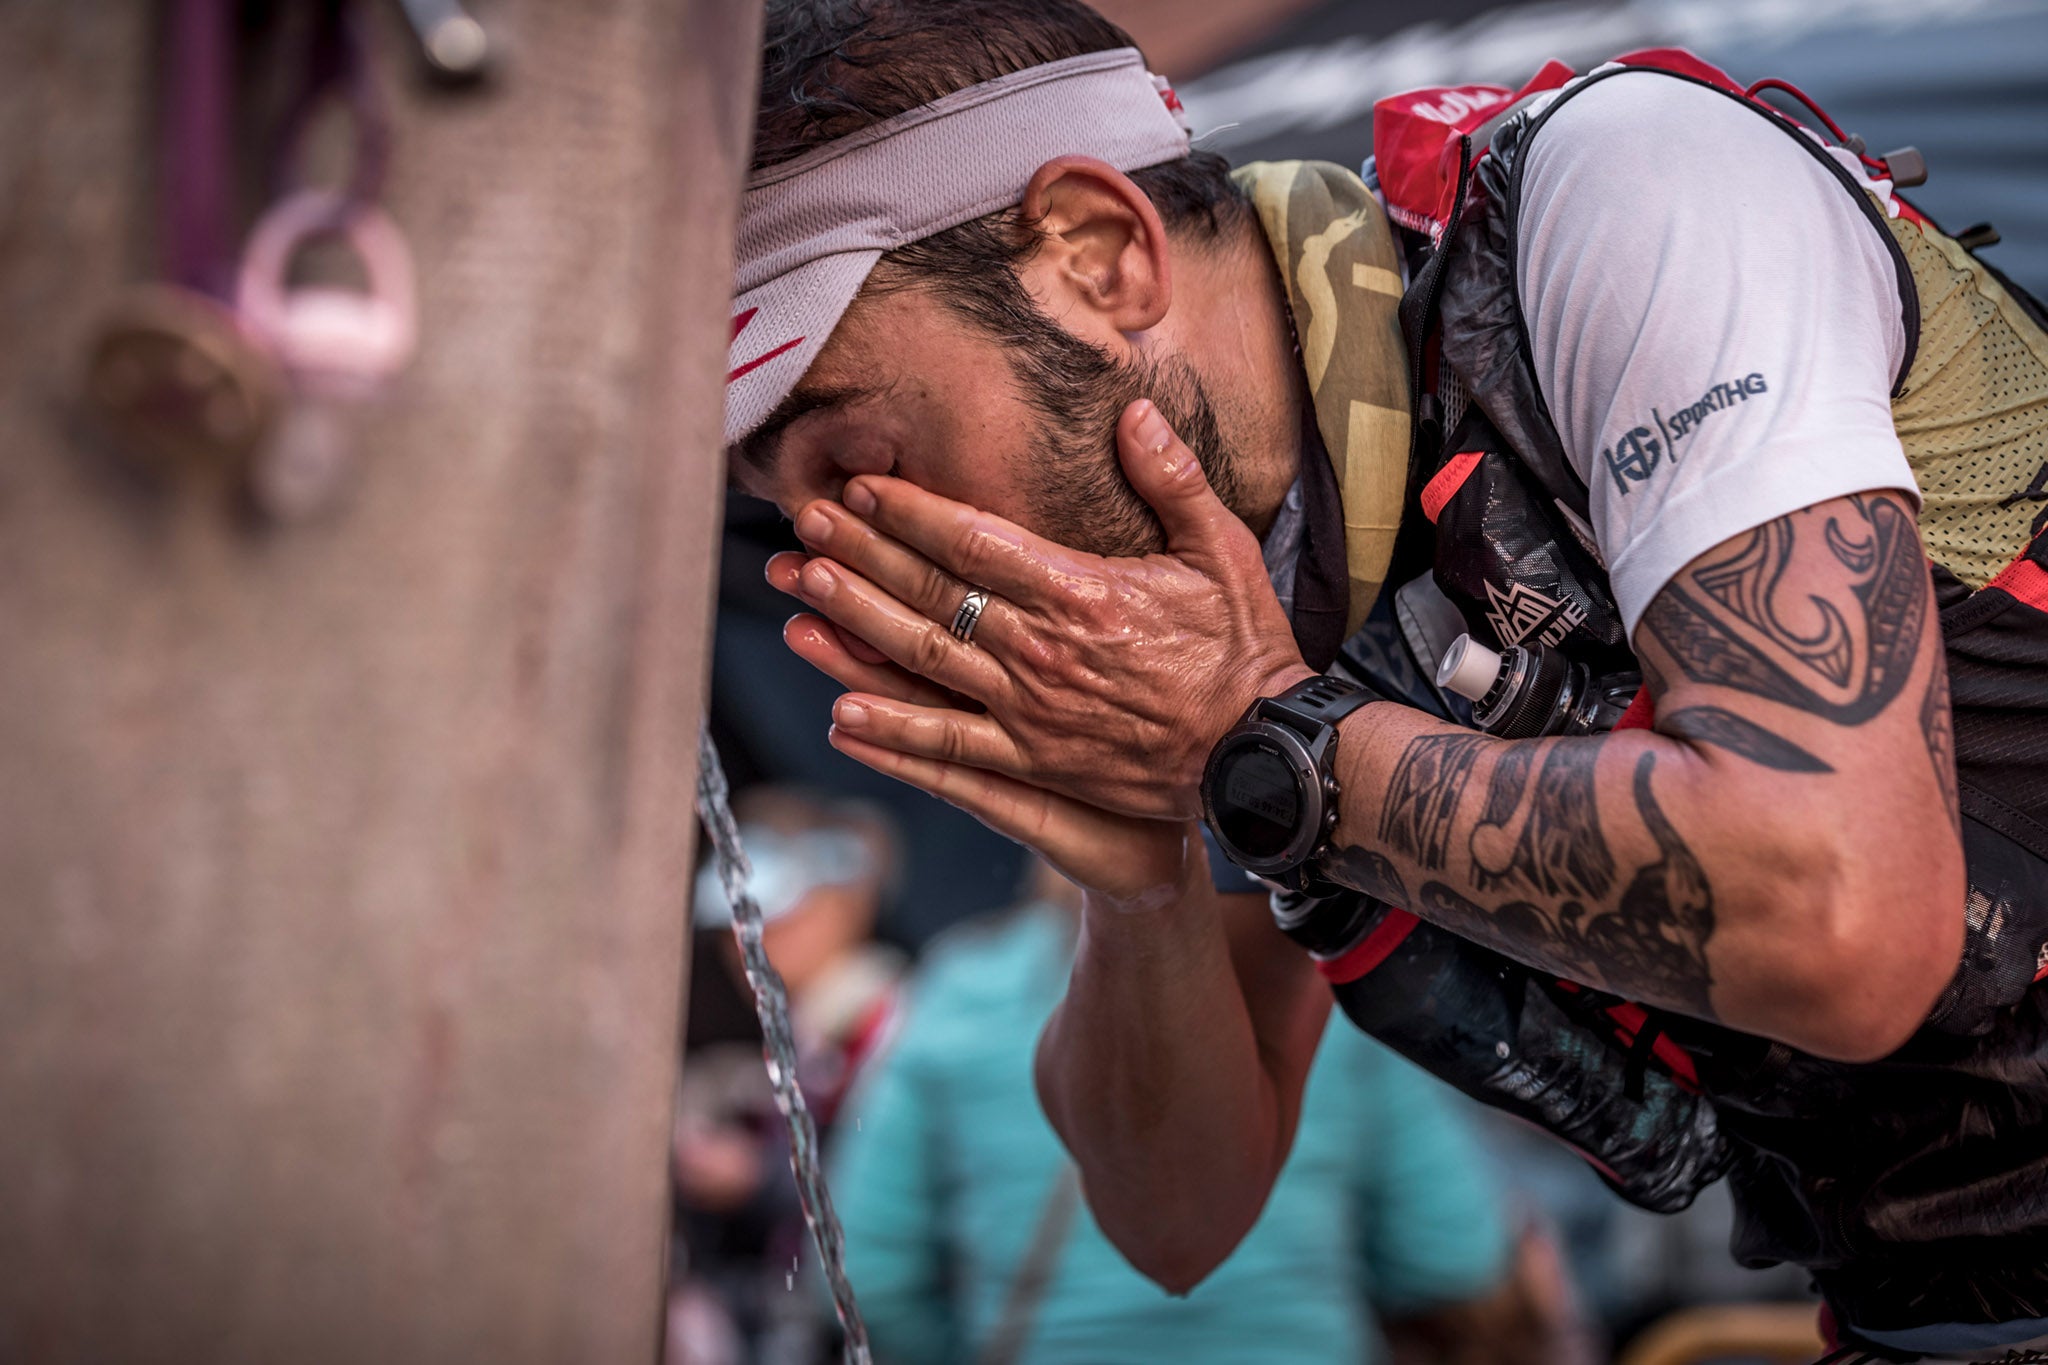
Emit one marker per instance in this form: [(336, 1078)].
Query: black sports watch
[(1269, 792)]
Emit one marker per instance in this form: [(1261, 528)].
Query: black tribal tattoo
[(1721, 623), (1362, 869), (1654, 940), (1667, 914), (1550, 845), (1423, 797), (1937, 725), (1725, 730)]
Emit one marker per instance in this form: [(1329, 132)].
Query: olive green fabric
[(1973, 413), (1336, 254)]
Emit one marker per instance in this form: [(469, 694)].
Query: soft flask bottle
[(1584, 1065)]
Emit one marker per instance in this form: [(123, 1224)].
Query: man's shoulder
[(1641, 142), (1645, 108)]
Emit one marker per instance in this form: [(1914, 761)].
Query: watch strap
[(1316, 702)]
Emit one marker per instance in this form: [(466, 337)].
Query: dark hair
[(833, 67)]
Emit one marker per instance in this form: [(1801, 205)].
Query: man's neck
[(1239, 337)]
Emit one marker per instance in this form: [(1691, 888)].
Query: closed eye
[(762, 450)]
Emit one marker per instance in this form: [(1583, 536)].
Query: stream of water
[(771, 1001)]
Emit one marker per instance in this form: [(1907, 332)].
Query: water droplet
[(1500, 1050)]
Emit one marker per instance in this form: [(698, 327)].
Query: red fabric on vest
[(1417, 135), (1641, 713), (1446, 482)]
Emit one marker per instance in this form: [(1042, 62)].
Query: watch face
[(1258, 800)]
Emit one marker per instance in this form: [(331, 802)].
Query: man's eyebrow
[(763, 446)]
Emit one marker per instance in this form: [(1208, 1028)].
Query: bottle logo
[(1522, 612)]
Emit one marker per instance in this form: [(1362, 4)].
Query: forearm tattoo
[(1661, 927), (1423, 798), (1362, 869), (1551, 844), (1649, 942), (1544, 879)]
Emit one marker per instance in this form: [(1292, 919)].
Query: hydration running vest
[(1915, 1187)]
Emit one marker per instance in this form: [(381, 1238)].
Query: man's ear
[(1102, 249)]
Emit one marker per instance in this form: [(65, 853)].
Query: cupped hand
[(1132, 863), (1101, 680)]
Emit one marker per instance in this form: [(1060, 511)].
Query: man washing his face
[(1139, 492)]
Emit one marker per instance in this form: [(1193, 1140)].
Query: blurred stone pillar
[(343, 865)]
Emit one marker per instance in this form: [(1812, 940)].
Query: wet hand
[(1101, 680), (1133, 864)]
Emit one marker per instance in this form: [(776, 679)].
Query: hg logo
[(1633, 458)]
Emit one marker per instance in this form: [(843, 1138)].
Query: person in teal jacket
[(967, 1243)]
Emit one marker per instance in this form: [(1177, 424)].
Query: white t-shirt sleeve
[(1714, 321)]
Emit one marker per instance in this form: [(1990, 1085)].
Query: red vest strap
[(1445, 483), (1370, 951)]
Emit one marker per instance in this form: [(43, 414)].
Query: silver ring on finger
[(969, 615)]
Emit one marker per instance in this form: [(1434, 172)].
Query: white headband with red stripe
[(812, 228)]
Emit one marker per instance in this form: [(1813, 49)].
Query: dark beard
[(1077, 491)]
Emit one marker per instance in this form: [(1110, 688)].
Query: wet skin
[(1778, 856)]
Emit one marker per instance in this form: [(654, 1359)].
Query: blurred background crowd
[(923, 953)]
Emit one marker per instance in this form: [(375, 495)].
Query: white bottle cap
[(1468, 668)]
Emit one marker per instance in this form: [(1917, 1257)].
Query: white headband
[(811, 229)]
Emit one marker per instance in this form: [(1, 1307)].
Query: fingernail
[(849, 715), (813, 526), (1152, 429), (818, 580), (859, 499)]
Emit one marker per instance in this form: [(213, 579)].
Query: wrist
[(1155, 942), (1158, 896), (1270, 791), (1278, 680), (1269, 680)]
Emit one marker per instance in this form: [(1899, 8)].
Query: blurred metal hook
[(455, 45)]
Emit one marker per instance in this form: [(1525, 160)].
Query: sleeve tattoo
[(1722, 623), (1423, 799), (1550, 845), (1545, 880), (1738, 735), (1937, 726), (1531, 869)]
